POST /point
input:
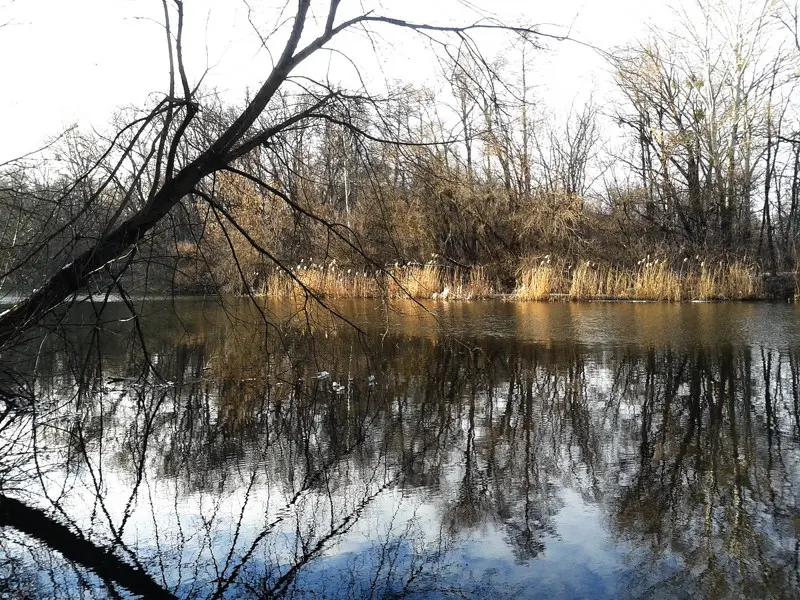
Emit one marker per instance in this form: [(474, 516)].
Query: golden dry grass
[(588, 282), (619, 283), (428, 281), (656, 281), (739, 282), (325, 280), (720, 281), (415, 281), (541, 279), (466, 284), (536, 283), (652, 279), (591, 280)]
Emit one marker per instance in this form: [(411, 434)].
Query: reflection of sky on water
[(580, 558), (580, 561)]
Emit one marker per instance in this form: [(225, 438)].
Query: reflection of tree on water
[(713, 483), (254, 466), (530, 460)]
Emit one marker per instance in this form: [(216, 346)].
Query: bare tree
[(701, 97)]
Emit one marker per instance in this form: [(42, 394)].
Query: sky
[(77, 62)]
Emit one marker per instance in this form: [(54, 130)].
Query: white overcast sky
[(66, 62)]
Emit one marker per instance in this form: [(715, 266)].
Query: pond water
[(213, 449)]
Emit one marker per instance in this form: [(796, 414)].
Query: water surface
[(485, 449)]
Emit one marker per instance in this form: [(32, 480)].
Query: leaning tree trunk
[(232, 144)]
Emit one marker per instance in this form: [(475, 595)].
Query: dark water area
[(213, 449)]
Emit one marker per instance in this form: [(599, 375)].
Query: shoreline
[(545, 282), (779, 287)]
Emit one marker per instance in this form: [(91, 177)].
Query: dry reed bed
[(418, 281), (651, 279)]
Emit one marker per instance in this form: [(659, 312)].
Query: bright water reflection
[(524, 450)]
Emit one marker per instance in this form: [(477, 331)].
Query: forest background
[(676, 177)]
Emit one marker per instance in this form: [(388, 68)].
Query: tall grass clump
[(538, 281), (466, 284), (588, 282), (591, 280), (415, 281), (276, 284), (542, 279), (656, 281), (739, 282), (321, 279), (619, 283), (720, 281), (418, 281), (704, 286)]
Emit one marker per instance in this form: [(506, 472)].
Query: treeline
[(695, 154)]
